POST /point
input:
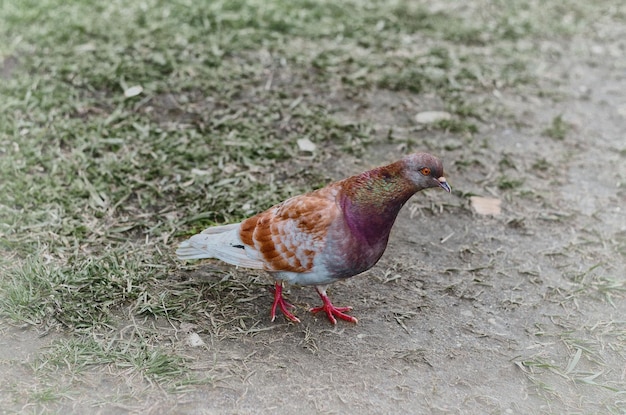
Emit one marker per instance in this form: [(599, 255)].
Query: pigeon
[(323, 236)]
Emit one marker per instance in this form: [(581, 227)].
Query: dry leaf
[(485, 205)]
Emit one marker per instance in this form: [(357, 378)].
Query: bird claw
[(332, 312), (281, 303), (328, 307)]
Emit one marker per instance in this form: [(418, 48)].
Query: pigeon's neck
[(373, 199)]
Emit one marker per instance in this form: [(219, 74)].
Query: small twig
[(443, 241)]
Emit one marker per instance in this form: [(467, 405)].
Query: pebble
[(304, 144), (133, 91), (194, 340)]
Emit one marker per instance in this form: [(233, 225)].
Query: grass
[(98, 184), (581, 356), (558, 128), (133, 355), (580, 361)]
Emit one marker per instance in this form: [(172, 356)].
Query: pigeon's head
[(425, 171)]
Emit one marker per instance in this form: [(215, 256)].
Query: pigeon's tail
[(221, 242), (187, 251)]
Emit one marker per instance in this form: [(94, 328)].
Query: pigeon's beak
[(444, 184)]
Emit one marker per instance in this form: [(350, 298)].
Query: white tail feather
[(220, 229), (221, 242)]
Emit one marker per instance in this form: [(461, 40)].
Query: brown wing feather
[(289, 235)]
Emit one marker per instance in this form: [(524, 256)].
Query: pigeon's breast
[(347, 254), (343, 256)]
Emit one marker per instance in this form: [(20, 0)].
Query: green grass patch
[(558, 128), (155, 364), (80, 295)]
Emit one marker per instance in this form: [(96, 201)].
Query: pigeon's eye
[(425, 171)]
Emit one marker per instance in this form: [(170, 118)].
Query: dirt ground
[(522, 312)]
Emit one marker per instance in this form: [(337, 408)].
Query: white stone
[(133, 91), (194, 340), (304, 144), (429, 117)]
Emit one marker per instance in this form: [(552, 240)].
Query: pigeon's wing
[(288, 236)]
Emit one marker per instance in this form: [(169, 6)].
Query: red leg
[(280, 302), (330, 310)]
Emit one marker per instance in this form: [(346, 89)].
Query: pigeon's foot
[(332, 311), (284, 306)]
